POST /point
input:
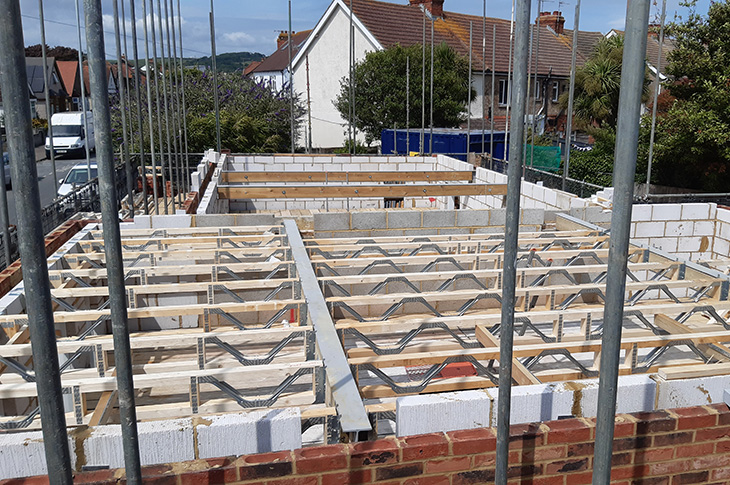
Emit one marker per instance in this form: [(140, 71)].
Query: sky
[(253, 25)]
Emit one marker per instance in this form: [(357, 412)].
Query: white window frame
[(503, 86), (556, 91)]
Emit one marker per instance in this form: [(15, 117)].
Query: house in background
[(275, 68), (69, 71), (379, 25), (37, 79)]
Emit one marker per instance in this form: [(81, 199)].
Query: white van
[(76, 177), (69, 134)]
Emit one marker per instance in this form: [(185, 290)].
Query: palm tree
[(598, 83)]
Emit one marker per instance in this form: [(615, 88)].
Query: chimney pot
[(283, 39), (436, 7)]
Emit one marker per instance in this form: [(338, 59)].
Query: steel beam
[(341, 382)]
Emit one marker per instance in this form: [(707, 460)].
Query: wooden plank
[(353, 191), (694, 371), (385, 176), (520, 373), (674, 327)]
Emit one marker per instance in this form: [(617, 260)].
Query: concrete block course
[(331, 221), (159, 442), (539, 402), (497, 217), (23, 454), (255, 219), (472, 218), (368, 220), (439, 218), (533, 216), (249, 432), (447, 411), (679, 393)]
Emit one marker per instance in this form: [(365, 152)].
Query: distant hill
[(228, 62)]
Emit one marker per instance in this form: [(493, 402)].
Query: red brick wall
[(679, 446)]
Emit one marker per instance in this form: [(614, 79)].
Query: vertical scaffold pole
[(627, 138), (112, 238), (506, 336), (14, 86)]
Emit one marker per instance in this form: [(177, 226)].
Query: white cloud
[(238, 38)]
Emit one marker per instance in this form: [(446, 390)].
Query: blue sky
[(253, 25)]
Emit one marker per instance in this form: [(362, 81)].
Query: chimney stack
[(555, 20), (436, 7), (283, 39)]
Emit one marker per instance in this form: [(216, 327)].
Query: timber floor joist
[(218, 309)]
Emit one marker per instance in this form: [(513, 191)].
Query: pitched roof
[(69, 72), (279, 60), (393, 24), (37, 77)]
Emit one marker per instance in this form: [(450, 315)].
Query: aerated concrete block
[(23, 455), (404, 219), (537, 402), (448, 411), (681, 393), (368, 220), (166, 441), (439, 218), (332, 221), (636, 393), (472, 218), (251, 432)]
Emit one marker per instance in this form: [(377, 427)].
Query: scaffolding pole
[(184, 104), (83, 94), (158, 108), (627, 137), (14, 86), (511, 228), (216, 102), (571, 96), (49, 108), (123, 108), (166, 101), (137, 93), (657, 86), (112, 239), (150, 120)]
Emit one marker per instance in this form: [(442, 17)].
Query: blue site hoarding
[(445, 141)]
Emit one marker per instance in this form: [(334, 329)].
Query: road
[(46, 184)]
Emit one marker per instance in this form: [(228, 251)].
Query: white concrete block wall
[(23, 454), (164, 441), (447, 411), (251, 432), (691, 392)]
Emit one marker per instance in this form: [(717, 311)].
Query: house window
[(503, 92), (556, 91), (538, 89)]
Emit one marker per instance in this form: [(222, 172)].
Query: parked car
[(77, 176)]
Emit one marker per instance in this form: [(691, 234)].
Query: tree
[(60, 53), (254, 118), (598, 84), (380, 89), (692, 147)]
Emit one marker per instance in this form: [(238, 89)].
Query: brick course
[(678, 446)]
